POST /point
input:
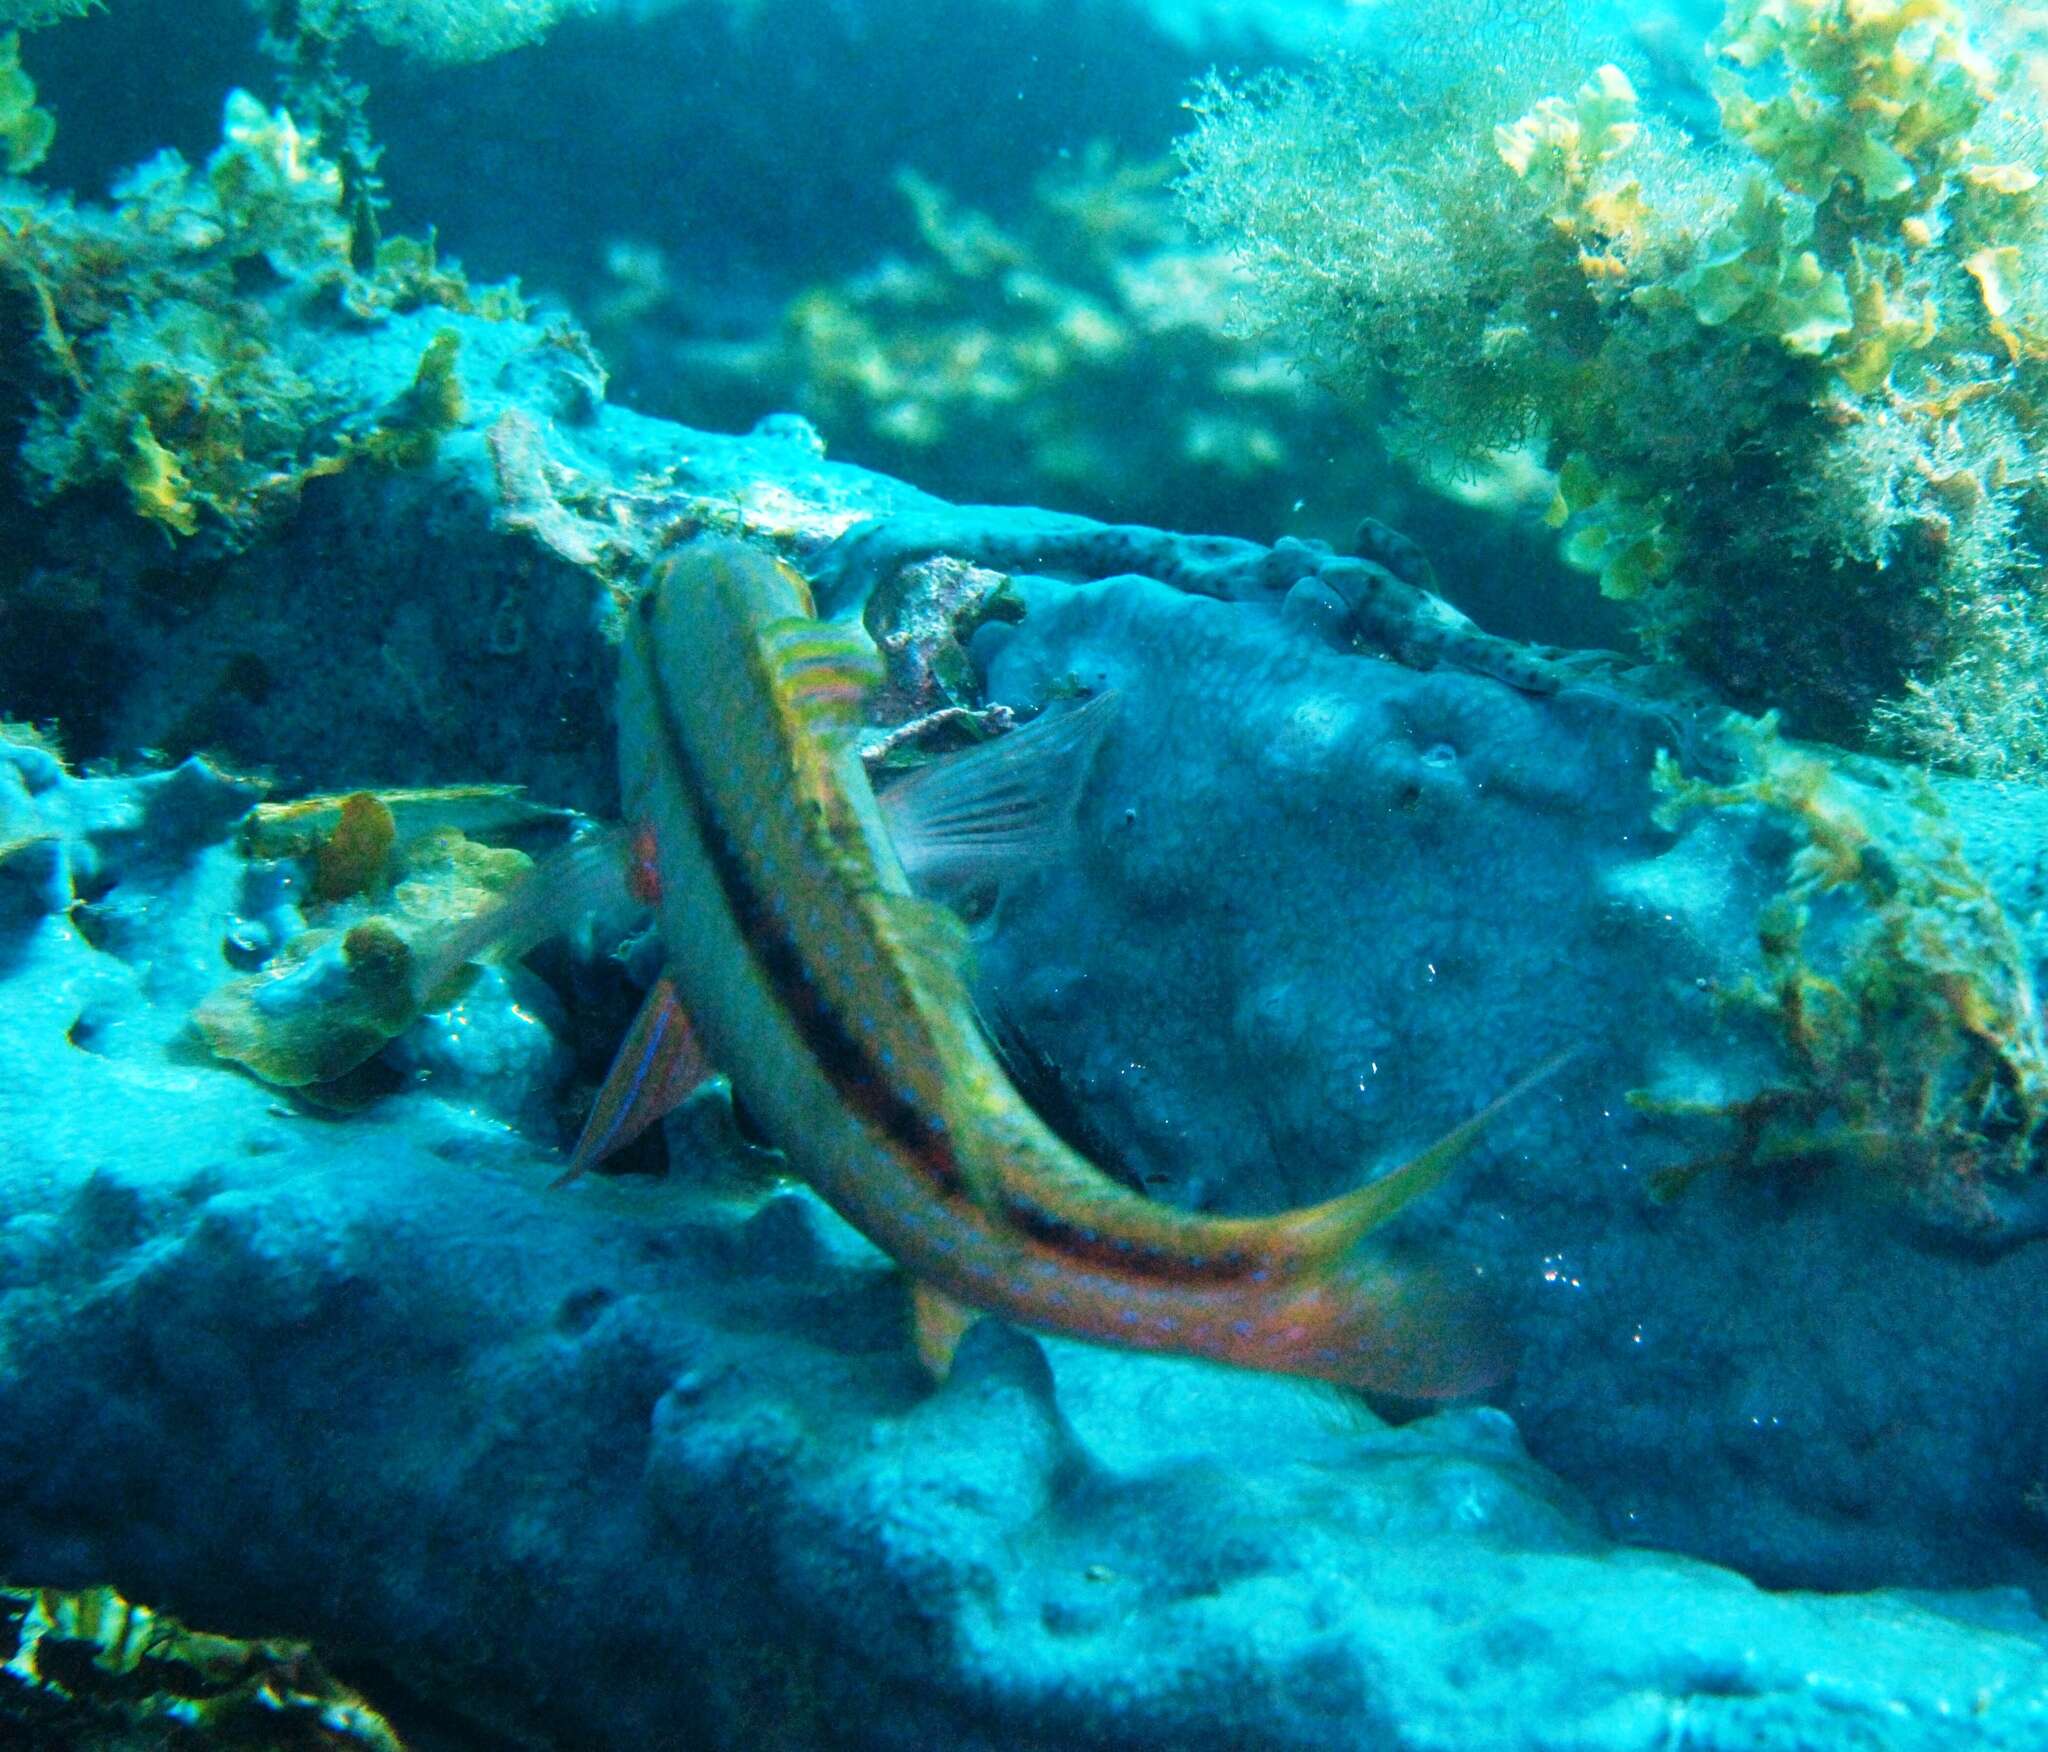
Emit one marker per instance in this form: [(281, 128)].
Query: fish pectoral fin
[(657, 1066), (938, 1321), (1331, 1230), (1000, 809), (824, 669)]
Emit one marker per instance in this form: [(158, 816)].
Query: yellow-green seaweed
[(1898, 988), (1793, 380), (86, 1666), (25, 131), (151, 365)]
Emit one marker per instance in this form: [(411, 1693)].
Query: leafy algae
[(1788, 380), (168, 347)]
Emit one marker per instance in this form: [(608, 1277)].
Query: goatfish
[(802, 964)]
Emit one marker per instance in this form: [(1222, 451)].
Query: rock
[(372, 1383)]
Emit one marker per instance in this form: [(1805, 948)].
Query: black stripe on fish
[(859, 1081), (1118, 1254), (853, 1074)]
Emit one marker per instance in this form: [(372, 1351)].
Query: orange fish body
[(837, 1001)]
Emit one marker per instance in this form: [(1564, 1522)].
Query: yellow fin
[(939, 1321), (1328, 1231), (823, 669), (931, 940)]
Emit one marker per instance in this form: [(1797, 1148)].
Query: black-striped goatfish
[(837, 1001)]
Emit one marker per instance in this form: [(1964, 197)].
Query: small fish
[(802, 965)]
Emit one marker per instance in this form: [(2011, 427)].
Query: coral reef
[(1382, 599), (1082, 356), (369, 1383), (343, 1368), (1280, 786), (1774, 1320), (1787, 378), (89, 1667), (172, 348)]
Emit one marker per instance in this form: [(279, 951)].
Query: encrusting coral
[(338, 992), (1790, 380)]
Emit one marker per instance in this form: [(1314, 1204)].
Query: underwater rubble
[(651, 1462)]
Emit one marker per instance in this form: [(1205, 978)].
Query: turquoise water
[(1301, 746)]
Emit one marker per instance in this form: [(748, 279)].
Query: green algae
[(1790, 382), (1895, 981), (25, 131), (153, 367)]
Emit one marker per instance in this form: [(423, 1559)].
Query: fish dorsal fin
[(824, 670), (1002, 808)]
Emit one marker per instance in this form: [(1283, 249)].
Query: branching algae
[(1789, 381)]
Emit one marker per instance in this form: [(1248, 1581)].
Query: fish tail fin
[(1326, 1234), (1405, 1330), (1380, 1322)]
